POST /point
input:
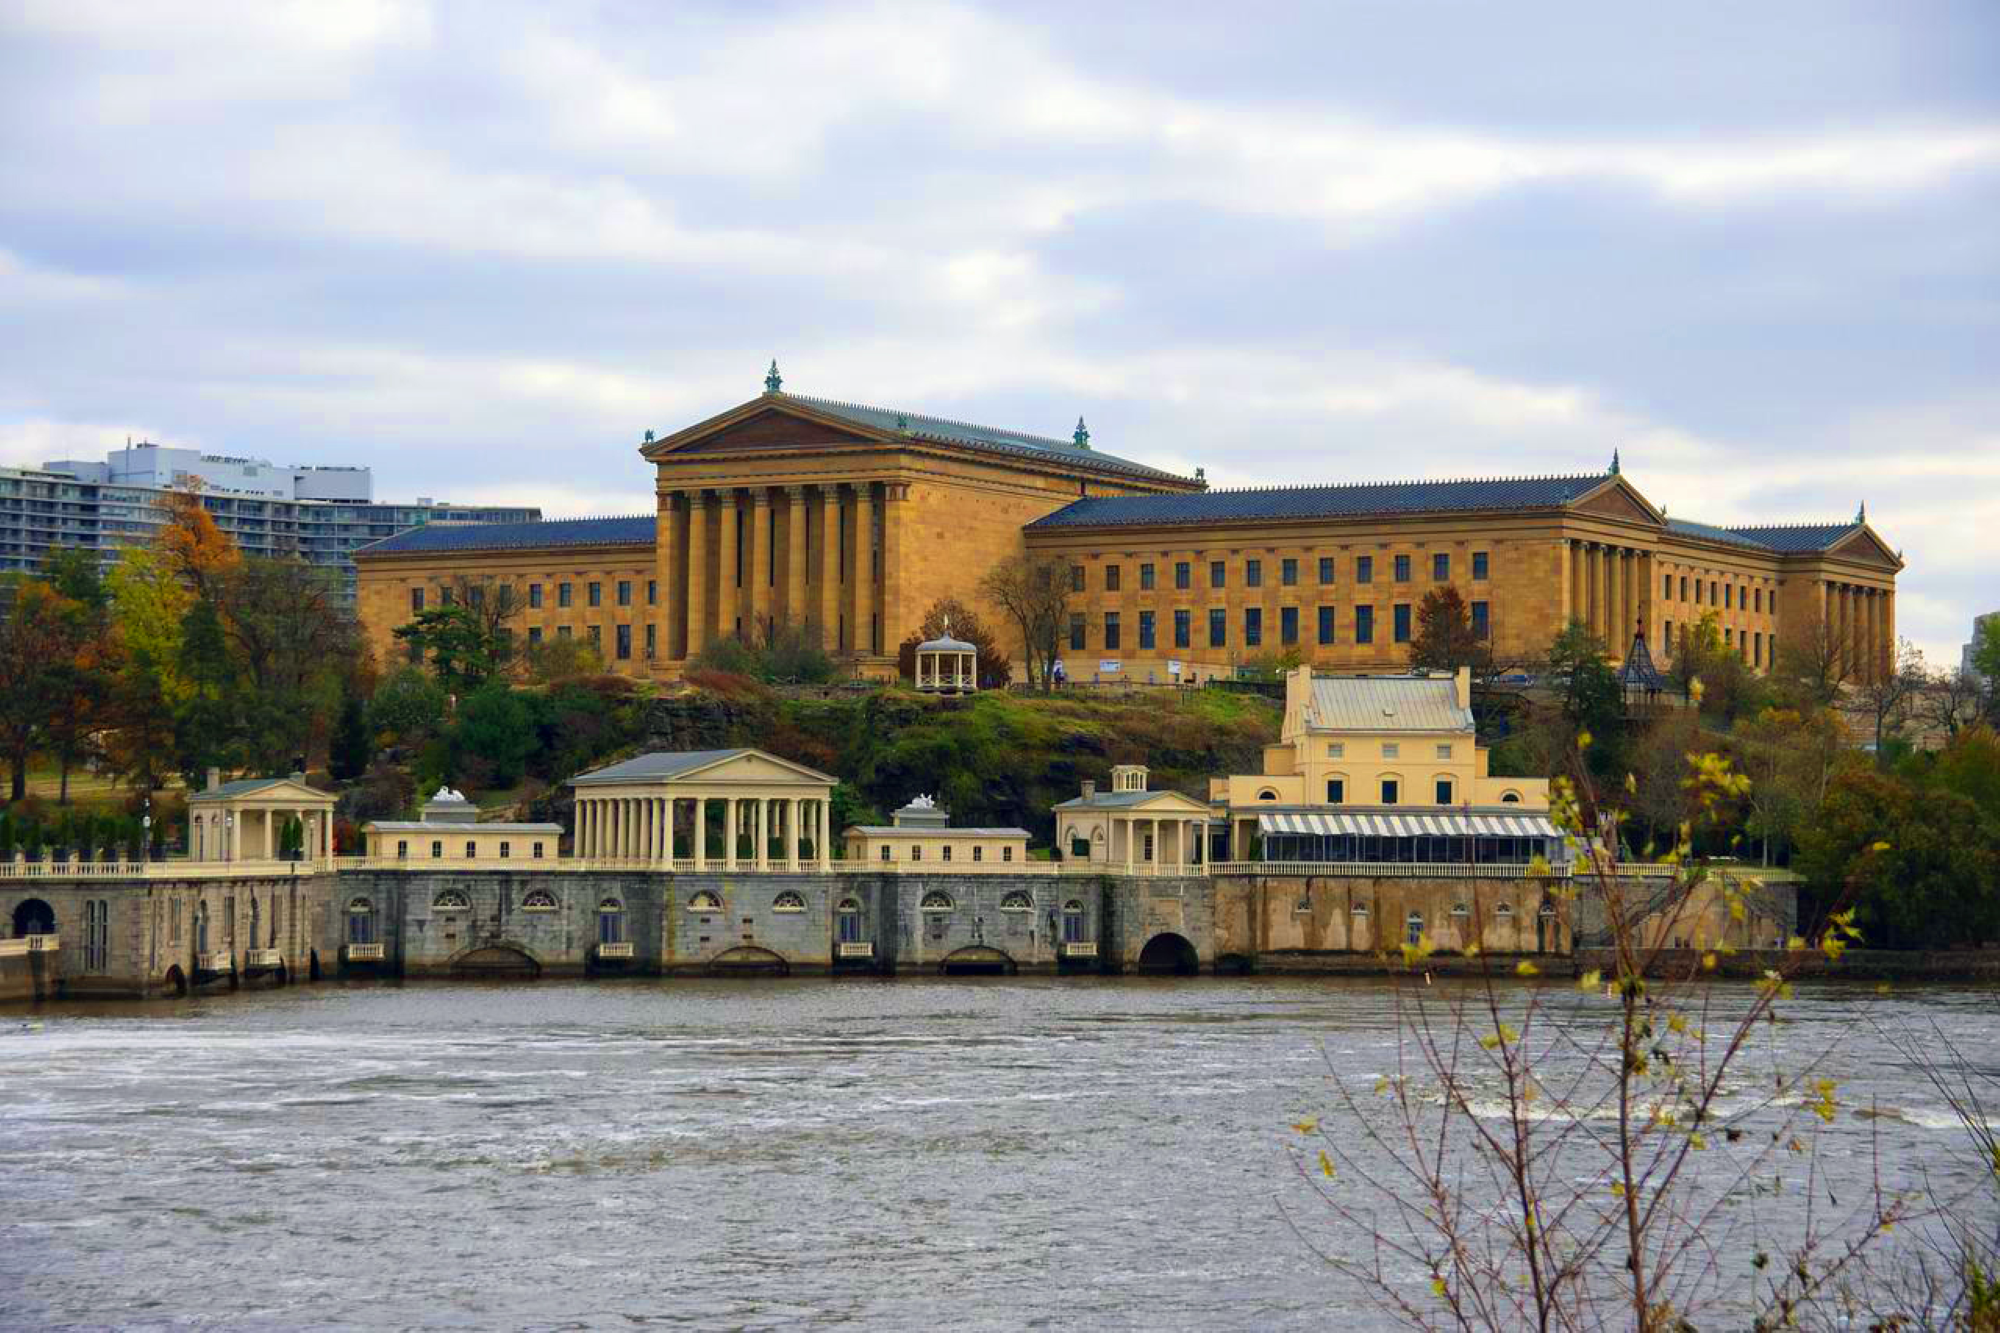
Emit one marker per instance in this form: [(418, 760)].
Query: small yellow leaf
[(1437, 1287), (1306, 1126), (1708, 962), (1590, 980), (1524, 968), (1325, 1165), (1617, 1189), (1879, 847)]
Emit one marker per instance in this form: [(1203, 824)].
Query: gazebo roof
[(947, 644)]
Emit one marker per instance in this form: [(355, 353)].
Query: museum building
[(849, 522)]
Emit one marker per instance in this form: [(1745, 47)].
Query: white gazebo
[(946, 665), (654, 810)]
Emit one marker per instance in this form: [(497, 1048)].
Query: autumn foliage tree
[(1445, 638), (949, 615)]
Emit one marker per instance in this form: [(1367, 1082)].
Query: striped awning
[(1441, 825)]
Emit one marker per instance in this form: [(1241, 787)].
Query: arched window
[(1268, 794), (1415, 928), (541, 900), (1072, 926), (611, 922), (1460, 909), (1510, 798), (937, 901), (1361, 910), (361, 921), (705, 901), (849, 914), (1017, 901), (1505, 911), (789, 901), (451, 900)]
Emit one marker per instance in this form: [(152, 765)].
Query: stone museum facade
[(849, 522)]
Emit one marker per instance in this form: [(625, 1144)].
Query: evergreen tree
[(353, 746)]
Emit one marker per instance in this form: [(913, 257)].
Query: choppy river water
[(979, 1153)]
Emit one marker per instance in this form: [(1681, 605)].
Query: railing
[(854, 949), (364, 953), (1079, 949), (619, 950), (175, 869), (263, 958), (213, 962), (1389, 869), (28, 944)]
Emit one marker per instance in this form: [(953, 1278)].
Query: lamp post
[(228, 836), (146, 830)]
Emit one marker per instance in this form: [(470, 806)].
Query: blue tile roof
[(990, 438), (1796, 537), (637, 530), (1308, 502), (1709, 532)]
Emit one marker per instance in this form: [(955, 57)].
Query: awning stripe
[(1335, 823)]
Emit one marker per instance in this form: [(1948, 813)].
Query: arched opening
[(312, 965), (848, 915), (1235, 965), (789, 901), (34, 917), (495, 960), (749, 959), (976, 960), (177, 981), (1170, 953), (610, 922), (361, 921)]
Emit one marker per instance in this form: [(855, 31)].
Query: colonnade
[(740, 559), (646, 829), (1862, 622), (1608, 591), (232, 834)]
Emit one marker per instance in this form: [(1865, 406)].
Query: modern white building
[(158, 466)]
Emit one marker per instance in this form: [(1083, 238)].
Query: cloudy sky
[(483, 247)]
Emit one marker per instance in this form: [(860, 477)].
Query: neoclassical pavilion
[(946, 665), (1132, 828), (706, 809), (244, 820)]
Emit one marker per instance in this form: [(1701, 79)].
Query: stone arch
[(33, 916), (1168, 952), (749, 958), (176, 980), (502, 958), (978, 960)]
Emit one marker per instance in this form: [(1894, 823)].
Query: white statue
[(923, 802)]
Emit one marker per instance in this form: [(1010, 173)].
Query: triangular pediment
[(1863, 545), (774, 422), (756, 766), (282, 790), (1619, 498)]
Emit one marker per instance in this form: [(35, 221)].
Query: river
[(977, 1153)]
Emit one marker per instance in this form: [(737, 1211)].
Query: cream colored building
[(1132, 830), (920, 836), (245, 820), (706, 810), (450, 833), (1384, 769)]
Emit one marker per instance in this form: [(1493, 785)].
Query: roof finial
[(773, 381), (1861, 514), (1082, 435), (649, 437), (1614, 462)]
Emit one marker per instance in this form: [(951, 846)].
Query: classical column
[(663, 576), (1574, 607), (797, 551), (1629, 627), (826, 600), (1592, 572), (730, 829), (761, 818), (861, 572), (1131, 828), (826, 835), (667, 828), (701, 833), (697, 573), (728, 601), (892, 612), (758, 572), (792, 831)]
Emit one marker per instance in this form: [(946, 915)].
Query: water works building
[(851, 521)]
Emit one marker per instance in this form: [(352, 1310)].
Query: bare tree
[(1034, 591), (1814, 660), (1951, 700), (1882, 699)]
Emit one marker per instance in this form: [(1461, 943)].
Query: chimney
[(214, 778), (1089, 788), (1463, 682)]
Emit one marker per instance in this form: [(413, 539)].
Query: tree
[(1790, 758), (496, 727), (198, 552), (1951, 700), (1034, 591), (553, 661), (292, 645), (148, 606), (407, 707), (995, 667), (458, 643), (1812, 661), (1590, 700), (1882, 699), (207, 722), (1986, 649), (1445, 639), (353, 746), (32, 640), (80, 673)]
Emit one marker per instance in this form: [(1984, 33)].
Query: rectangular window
[(652, 592), (416, 600), (624, 592), (1729, 597), (1218, 574), (1076, 631), (1667, 587), (1110, 631), (1774, 601), (1391, 750), (947, 852), (1183, 629), (1757, 649), (917, 853), (445, 597), (1326, 624), (1145, 578), (1146, 631), (1288, 573), (1402, 614), (595, 594), (1336, 750), (1288, 624), (1684, 587), (1364, 624), (885, 851), (652, 641), (475, 598), (534, 634), (1478, 565), (1402, 569), (1326, 569), (402, 850), (437, 849), (534, 596), (1444, 751), (506, 849), (1479, 620), (1076, 578), (1111, 578), (1218, 627), (596, 633), (536, 851), (624, 642), (1728, 637), (1713, 595), (1253, 626), (1441, 567), (562, 631), (1253, 573), (1758, 595), (1006, 853), (1336, 790), (471, 850), (1389, 791), (563, 597), (1364, 569), (1444, 791), (1183, 575), (1667, 638)]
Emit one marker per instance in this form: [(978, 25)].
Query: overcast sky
[(484, 247)]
